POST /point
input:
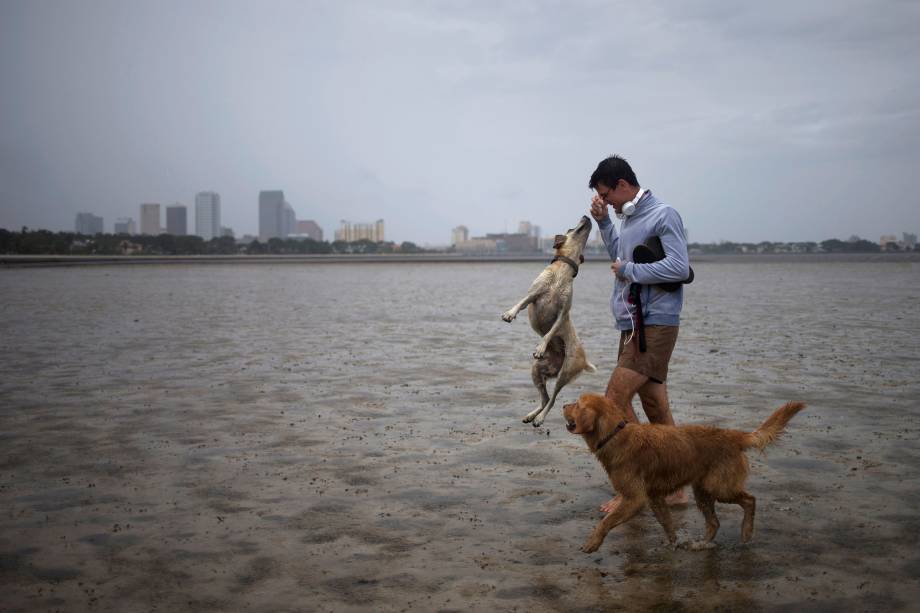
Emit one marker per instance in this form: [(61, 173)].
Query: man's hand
[(617, 268), (598, 209)]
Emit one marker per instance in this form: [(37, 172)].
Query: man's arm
[(609, 236), (606, 227), (676, 263)]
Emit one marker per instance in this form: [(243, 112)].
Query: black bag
[(652, 251)]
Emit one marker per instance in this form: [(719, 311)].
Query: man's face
[(614, 196)]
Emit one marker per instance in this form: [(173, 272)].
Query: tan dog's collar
[(607, 438), (568, 261)]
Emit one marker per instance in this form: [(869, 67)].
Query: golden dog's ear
[(559, 241), (584, 418), (581, 259)]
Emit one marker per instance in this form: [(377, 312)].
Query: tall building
[(207, 215), (525, 227), (288, 220), (271, 214), (177, 220), (310, 228), (87, 223), (125, 225), (150, 219), (350, 232), (459, 235)]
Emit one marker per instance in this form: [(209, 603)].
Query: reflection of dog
[(559, 354), (646, 462)]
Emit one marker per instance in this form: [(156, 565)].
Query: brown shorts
[(659, 343)]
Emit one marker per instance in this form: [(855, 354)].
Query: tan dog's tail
[(590, 367), (771, 429)]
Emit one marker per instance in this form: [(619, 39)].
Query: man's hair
[(610, 171)]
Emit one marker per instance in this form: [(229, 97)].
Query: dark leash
[(607, 438), (635, 298)]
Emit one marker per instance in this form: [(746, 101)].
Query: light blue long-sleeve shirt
[(652, 218)]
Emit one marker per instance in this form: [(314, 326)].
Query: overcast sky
[(756, 121)]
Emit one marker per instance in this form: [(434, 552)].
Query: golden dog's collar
[(607, 438), (568, 261)]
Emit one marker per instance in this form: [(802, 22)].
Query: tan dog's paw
[(508, 316), (591, 545)]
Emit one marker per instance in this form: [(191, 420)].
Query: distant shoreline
[(28, 261)]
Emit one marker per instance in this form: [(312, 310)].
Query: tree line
[(45, 242), (831, 245)]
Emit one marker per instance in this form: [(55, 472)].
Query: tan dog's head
[(581, 417), (572, 243)]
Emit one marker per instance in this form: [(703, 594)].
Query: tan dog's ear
[(559, 241), (581, 259), (584, 418)]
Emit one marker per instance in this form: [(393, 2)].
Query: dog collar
[(568, 261), (607, 438)]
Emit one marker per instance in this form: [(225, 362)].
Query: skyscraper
[(351, 232), (289, 221), (87, 223), (459, 234), (150, 219), (310, 228), (207, 215), (177, 220), (125, 225), (272, 215)]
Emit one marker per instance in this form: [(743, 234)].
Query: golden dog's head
[(572, 243), (581, 417)]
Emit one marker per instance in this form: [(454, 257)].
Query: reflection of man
[(644, 216)]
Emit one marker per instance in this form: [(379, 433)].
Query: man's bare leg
[(654, 397), (622, 386)]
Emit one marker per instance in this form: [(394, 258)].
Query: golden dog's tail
[(771, 429), (590, 367)]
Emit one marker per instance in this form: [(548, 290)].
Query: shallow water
[(348, 437)]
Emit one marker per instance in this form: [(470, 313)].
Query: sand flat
[(348, 438)]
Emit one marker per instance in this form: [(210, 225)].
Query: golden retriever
[(646, 462)]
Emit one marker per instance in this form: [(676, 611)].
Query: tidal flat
[(348, 437)]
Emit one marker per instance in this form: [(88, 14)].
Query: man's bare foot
[(611, 505), (677, 498)]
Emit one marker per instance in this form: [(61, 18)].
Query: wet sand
[(348, 438)]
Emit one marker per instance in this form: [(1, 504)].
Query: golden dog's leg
[(707, 506), (627, 508), (749, 504), (663, 515)]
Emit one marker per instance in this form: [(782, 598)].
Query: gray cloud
[(787, 122)]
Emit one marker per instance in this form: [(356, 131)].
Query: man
[(643, 216)]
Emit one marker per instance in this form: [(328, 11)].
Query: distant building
[(311, 229), (87, 223), (481, 246), (525, 227), (150, 219), (125, 225), (351, 232), (910, 241), (177, 219), (207, 215), (885, 240), (225, 231), (288, 220), (271, 215), (516, 243), (459, 235), (129, 248)]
